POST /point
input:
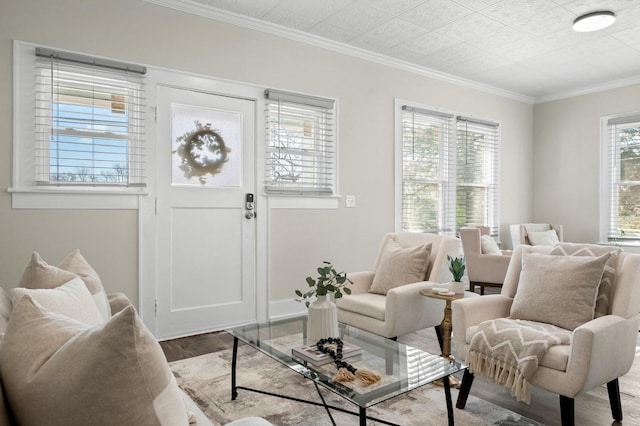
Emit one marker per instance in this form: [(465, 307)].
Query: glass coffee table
[(402, 368)]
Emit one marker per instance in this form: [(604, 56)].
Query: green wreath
[(202, 152)]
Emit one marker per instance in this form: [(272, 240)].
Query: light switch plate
[(350, 201)]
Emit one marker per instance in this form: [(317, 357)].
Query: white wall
[(567, 159), (299, 239)]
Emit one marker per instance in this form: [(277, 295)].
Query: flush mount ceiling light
[(594, 21)]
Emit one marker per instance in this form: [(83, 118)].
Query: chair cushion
[(488, 245), (399, 266), (557, 357), (367, 304), (543, 238), (71, 299), (559, 290), (111, 374), (607, 282)]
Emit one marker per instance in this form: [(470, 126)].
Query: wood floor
[(591, 409)]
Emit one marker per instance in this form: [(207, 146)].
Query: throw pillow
[(543, 238), (71, 299), (607, 282), (558, 290), (399, 266), (77, 264), (58, 371), (488, 245), (39, 274)]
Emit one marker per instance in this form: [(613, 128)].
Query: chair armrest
[(474, 310), (398, 295), (592, 356), (406, 310), (361, 281), (117, 302)]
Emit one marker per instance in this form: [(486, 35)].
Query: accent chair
[(593, 314), (486, 263), (386, 300), (534, 234)]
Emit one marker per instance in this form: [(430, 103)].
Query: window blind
[(301, 147), (449, 172), (477, 174), (622, 176), (89, 121), (427, 204)]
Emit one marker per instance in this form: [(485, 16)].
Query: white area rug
[(207, 379)]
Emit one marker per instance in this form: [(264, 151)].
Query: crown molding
[(588, 90), (200, 9)]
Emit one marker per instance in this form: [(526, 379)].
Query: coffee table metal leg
[(363, 416), (234, 392), (326, 407), (447, 393)]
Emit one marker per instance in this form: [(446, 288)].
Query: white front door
[(206, 232)]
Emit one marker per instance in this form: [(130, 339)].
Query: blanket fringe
[(501, 373)]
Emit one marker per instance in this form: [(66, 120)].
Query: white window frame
[(609, 164), (300, 198), (25, 191), (447, 209)]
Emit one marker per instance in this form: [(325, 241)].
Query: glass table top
[(401, 367)]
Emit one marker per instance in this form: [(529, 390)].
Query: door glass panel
[(206, 147)]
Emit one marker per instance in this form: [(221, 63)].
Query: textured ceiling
[(522, 46)]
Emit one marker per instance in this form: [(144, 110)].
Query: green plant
[(456, 267), (328, 281)]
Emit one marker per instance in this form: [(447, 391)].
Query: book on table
[(311, 353)]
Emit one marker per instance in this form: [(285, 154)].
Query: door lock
[(249, 206)]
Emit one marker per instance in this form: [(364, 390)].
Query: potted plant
[(456, 267), (323, 315)]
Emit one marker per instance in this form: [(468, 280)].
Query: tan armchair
[(483, 269), (598, 351), (520, 233), (402, 309)]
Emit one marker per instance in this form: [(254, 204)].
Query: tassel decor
[(346, 372)]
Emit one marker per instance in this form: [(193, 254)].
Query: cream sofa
[(72, 355)]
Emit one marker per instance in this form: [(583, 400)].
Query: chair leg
[(465, 388), (567, 411), (481, 290), (471, 286), (614, 400)]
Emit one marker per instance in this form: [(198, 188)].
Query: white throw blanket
[(508, 351)]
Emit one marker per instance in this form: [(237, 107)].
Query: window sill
[(76, 198)]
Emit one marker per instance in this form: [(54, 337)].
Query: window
[(78, 130), (620, 179), (449, 172), (88, 120), (301, 150)]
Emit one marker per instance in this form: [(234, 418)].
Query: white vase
[(457, 287), (322, 321)]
